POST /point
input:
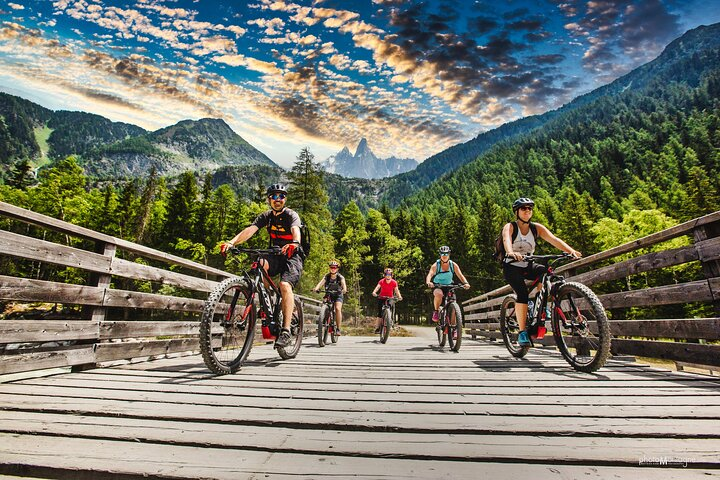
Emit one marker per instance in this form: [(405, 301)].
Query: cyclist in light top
[(335, 286), (388, 288), (519, 240), (442, 272)]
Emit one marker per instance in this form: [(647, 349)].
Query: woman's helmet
[(334, 263), (276, 188), (444, 249), (522, 202)]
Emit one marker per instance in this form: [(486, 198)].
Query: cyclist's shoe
[(283, 339), (524, 339), (435, 316), (377, 330), (338, 332)]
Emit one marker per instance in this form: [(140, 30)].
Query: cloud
[(16, 6)]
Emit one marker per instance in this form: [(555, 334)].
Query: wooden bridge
[(127, 397)]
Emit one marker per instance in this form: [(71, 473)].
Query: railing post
[(711, 267), (102, 280)]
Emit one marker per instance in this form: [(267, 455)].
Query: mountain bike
[(449, 309), (579, 324), (326, 320), (386, 316), (227, 325)]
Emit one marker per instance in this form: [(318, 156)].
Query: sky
[(412, 77)]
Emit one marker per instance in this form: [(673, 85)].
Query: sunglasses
[(334, 268), (526, 208), (388, 274), (444, 254), (277, 196)]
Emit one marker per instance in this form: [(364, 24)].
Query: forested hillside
[(637, 156)]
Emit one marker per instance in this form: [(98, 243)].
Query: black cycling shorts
[(289, 269), (516, 277), (336, 296)]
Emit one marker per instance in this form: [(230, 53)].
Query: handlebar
[(545, 259), (256, 251), (380, 297)]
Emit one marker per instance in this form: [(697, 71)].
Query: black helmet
[(522, 202), (276, 188), (444, 249)]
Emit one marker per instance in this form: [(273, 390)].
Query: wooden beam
[(683, 352), (21, 331), (28, 290), (25, 362), (128, 299), (705, 328), (698, 291), (40, 250)]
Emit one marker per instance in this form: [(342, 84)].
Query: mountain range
[(364, 163), (114, 149)]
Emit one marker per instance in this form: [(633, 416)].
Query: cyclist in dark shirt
[(335, 285), (283, 225)]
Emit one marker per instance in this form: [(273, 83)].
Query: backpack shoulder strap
[(452, 267), (515, 230), (533, 229)]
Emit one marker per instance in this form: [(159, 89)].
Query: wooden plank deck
[(362, 409)]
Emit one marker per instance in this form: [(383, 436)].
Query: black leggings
[(516, 277)]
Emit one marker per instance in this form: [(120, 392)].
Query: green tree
[(182, 210)]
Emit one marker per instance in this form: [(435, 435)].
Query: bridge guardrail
[(105, 332), (678, 339)]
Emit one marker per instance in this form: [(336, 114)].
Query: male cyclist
[(335, 286), (442, 272), (519, 240), (283, 225), (388, 288)]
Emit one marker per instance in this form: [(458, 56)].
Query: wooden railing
[(115, 323), (680, 339)]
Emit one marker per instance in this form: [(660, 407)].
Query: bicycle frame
[(546, 286), (263, 285), (448, 299)]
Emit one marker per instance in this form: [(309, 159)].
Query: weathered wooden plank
[(652, 239), (124, 268), (684, 352), (625, 393), (708, 250), (698, 291), (139, 329), (706, 328), (68, 356), (634, 266), (108, 458), (372, 420), (29, 290), (20, 331), (34, 249), (29, 216), (105, 352), (126, 298), (369, 444)]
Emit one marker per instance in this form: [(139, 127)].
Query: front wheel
[(296, 332), (322, 325), (386, 325), (227, 326), (510, 328), (580, 327), (455, 331)]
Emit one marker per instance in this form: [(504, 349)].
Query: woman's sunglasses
[(277, 196), (526, 208), (334, 268)]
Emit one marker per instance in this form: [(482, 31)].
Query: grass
[(41, 136)]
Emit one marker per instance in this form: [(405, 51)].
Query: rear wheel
[(227, 326), (386, 325), (580, 327), (455, 331), (322, 325), (296, 332), (510, 329)]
